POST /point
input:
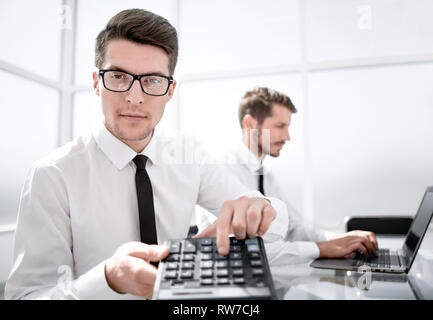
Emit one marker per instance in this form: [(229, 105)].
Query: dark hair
[(258, 103), (139, 26)]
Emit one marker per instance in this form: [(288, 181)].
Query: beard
[(129, 133)]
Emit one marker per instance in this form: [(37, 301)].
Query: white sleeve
[(286, 252), (43, 260), (218, 184)]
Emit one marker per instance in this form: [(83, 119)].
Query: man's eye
[(153, 80), (118, 76)]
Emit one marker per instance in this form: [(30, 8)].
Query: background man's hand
[(129, 269), (346, 243), (242, 217)]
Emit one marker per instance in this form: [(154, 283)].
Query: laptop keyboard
[(384, 260), (195, 264)]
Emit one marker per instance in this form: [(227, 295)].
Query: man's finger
[(149, 252), (373, 239), (254, 218), (144, 278), (239, 223), (223, 228), (370, 246), (359, 246), (209, 232), (267, 218)]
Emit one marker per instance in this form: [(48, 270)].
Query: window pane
[(209, 111), (28, 131), (31, 35), (342, 29), (93, 17), (371, 138), (228, 35)]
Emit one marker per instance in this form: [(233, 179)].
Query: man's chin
[(133, 135), (275, 154)]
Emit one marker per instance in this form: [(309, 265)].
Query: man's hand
[(242, 217), (129, 269), (344, 244)]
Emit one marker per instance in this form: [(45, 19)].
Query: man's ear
[(249, 122), (171, 90), (96, 83)]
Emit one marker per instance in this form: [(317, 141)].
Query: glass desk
[(301, 282)]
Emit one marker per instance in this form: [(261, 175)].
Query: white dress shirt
[(79, 204), (299, 244)]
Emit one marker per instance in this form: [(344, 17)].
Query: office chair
[(383, 225)]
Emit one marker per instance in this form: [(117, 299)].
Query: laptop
[(397, 261)]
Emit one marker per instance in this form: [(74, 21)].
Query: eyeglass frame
[(136, 77)]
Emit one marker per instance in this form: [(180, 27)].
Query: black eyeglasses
[(121, 81)]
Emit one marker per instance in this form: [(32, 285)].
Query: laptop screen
[(418, 227)]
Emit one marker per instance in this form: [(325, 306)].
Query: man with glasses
[(94, 212)]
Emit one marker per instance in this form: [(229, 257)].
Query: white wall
[(360, 73)]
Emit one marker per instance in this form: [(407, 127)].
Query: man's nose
[(287, 136), (135, 95)]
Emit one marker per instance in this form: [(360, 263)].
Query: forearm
[(90, 285)]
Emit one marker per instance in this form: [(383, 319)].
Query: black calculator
[(195, 270)]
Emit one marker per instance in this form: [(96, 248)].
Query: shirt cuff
[(279, 226), (93, 285)]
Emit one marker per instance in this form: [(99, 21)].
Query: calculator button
[(222, 273), (206, 242), (223, 281), (235, 248), (206, 281), (171, 266), (251, 241), (220, 257), (235, 256), (239, 280), (236, 264), (238, 272), (221, 264), (187, 265), (234, 241), (206, 249), (206, 264), (206, 273), (253, 248), (171, 274), (206, 256), (173, 257), (254, 255), (256, 263), (189, 247), (260, 283), (257, 272), (175, 247), (186, 274), (188, 257)]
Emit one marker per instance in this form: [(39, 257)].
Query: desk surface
[(301, 282)]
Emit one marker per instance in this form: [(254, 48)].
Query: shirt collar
[(248, 158), (119, 152)]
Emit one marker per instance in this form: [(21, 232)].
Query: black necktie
[(260, 174), (146, 210)]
